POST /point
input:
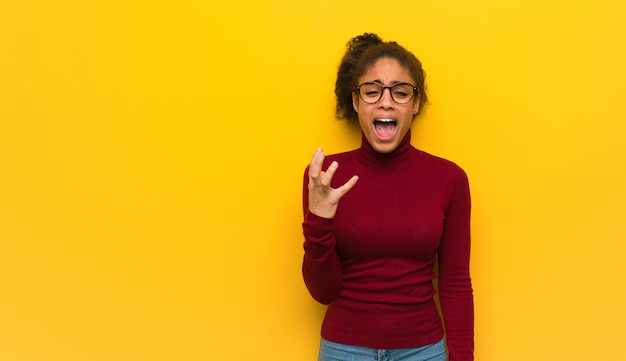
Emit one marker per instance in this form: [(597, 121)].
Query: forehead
[(386, 71)]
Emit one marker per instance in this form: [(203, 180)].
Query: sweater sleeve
[(321, 267), (455, 285)]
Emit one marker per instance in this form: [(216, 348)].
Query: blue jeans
[(331, 351)]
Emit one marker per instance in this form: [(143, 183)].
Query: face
[(385, 123)]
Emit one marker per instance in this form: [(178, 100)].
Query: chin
[(385, 147)]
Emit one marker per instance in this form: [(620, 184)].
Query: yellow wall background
[(152, 153)]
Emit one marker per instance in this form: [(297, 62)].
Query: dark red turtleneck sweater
[(374, 262)]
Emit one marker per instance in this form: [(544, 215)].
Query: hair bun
[(357, 45)]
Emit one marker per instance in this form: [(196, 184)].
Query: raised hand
[(323, 199)]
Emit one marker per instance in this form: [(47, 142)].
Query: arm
[(321, 266), (455, 285)]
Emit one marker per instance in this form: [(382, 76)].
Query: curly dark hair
[(362, 52)]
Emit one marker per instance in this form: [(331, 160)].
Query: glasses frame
[(415, 91)]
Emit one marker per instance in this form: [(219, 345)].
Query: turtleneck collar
[(400, 157)]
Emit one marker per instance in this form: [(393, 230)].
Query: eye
[(372, 93), (402, 91), (400, 94), (371, 90)]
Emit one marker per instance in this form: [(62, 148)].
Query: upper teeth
[(385, 120)]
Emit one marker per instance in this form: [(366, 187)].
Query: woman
[(376, 220)]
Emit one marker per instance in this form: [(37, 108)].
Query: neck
[(402, 155)]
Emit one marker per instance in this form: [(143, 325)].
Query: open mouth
[(385, 128)]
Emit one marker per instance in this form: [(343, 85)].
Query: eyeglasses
[(372, 92)]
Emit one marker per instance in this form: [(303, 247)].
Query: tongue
[(385, 129)]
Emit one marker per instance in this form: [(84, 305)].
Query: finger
[(315, 167), (348, 185), (316, 154), (329, 173)]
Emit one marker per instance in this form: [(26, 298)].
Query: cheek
[(362, 122)]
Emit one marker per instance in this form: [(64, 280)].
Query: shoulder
[(445, 170), (343, 158), (348, 155), (441, 164)]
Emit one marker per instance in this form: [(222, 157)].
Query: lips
[(385, 128)]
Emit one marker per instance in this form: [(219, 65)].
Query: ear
[(416, 105), (355, 101)]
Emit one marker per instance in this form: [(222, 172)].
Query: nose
[(386, 101)]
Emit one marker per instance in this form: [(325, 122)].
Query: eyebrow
[(394, 82)]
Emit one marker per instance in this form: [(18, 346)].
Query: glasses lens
[(371, 92), (401, 93)]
